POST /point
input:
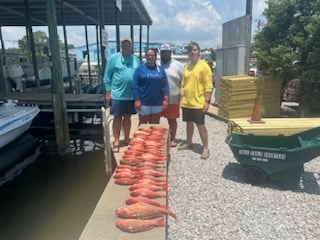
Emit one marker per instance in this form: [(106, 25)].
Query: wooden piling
[(57, 88)]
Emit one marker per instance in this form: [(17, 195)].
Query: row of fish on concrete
[(143, 168)]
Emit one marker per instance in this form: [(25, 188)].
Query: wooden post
[(57, 88)]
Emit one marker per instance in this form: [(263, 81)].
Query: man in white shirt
[(174, 71)]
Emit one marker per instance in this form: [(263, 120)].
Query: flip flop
[(173, 144), (115, 148)]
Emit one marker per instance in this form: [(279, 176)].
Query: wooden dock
[(75, 102)]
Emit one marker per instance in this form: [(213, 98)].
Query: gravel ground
[(213, 200)]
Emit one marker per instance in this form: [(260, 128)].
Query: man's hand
[(137, 104), (205, 107), (108, 96), (165, 104)]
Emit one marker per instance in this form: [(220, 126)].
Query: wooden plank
[(272, 126), (238, 94)]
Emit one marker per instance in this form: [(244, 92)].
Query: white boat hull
[(14, 121)]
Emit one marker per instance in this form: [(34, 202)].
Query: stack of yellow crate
[(238, 93)]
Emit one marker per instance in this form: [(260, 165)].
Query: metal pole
[(88, 52), (66, 48), (117, 28), (31, 44), (101, 24), (3, 84)]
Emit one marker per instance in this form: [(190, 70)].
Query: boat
[(16, 152), (15, 120)]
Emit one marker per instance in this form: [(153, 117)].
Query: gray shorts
[(122, 107), (193, 115)]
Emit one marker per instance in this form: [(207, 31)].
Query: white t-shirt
[(174, 70)]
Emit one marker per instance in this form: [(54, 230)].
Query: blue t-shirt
[(119, 75), (150, 85)]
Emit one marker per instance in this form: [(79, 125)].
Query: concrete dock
[(101, 224)]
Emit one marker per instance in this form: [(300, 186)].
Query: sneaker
[(184, 146), (205, 154)]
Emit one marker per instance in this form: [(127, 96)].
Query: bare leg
[(173, 130), (190, 130), (155, 118), (203, 135), (126, 127), (116, 129)]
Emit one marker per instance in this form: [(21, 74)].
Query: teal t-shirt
[(119, 75)]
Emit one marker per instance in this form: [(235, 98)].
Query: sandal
[(173, 144), (205, 154), (115, 148)]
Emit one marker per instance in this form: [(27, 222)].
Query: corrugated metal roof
[(76, 12)]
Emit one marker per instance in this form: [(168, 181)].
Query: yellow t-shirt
[(196, 81)]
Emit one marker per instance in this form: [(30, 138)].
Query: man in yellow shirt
[(196, 89)]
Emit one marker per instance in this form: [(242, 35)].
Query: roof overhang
[(76, 12)]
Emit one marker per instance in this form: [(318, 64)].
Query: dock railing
[(106, 120)]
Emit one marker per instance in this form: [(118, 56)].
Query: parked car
[(252, 71), (291, 91)]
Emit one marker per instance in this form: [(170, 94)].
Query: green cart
[(279, 158)]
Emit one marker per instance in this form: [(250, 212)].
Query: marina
[(73, 197), (64, 176)]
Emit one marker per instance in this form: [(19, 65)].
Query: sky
[(176, 21)]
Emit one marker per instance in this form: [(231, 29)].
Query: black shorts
[(193, 115)]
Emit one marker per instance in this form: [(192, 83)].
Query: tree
[(288, 45), (41, 43), (41, 40)]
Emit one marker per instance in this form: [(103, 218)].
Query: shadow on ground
[(309, 182)]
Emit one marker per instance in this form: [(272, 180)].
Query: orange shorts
[(172, 111)]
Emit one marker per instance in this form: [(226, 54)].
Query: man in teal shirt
[(118, 84)]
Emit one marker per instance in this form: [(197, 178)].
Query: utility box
[(233, 57)]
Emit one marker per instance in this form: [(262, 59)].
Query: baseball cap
[(126, 39), (165, 47)]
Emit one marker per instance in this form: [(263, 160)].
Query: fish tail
[(164, 187), (171, 214), (160, 222)]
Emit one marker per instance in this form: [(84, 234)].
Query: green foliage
[(289, 44), (41, 41)]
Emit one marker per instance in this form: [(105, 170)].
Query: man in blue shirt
[(118, 84)]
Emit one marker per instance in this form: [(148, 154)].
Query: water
[(53, 197)]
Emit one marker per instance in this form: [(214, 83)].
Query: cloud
[(177, 21), (199, 20)]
